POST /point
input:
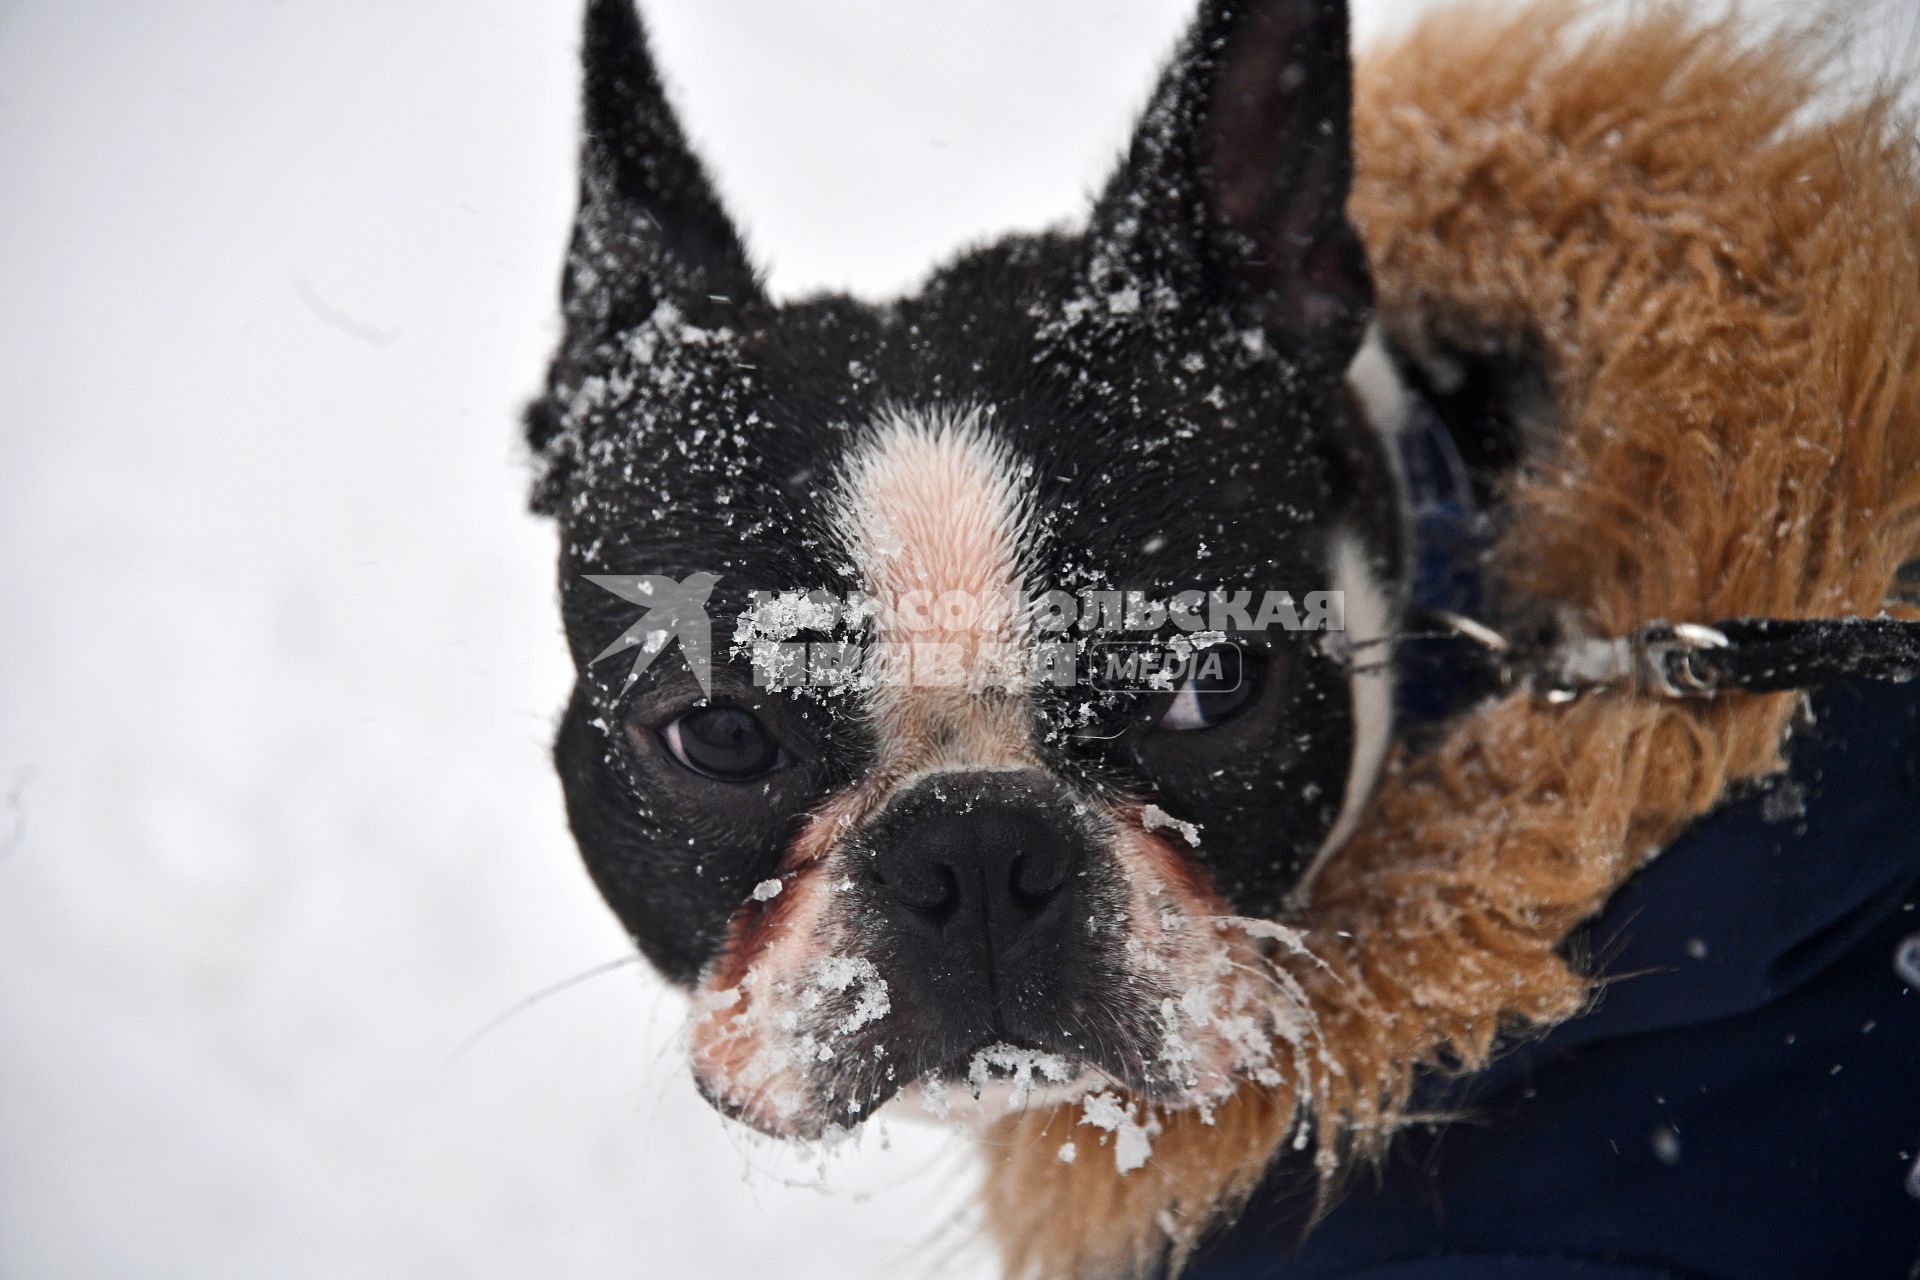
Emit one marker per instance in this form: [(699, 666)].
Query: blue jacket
[(1744, 1101)]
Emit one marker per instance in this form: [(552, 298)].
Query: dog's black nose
[(972, 859)]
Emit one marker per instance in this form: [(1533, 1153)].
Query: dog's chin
[(998, 1080), (968, 1091), (994, 1080)]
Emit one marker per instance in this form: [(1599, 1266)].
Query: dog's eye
[(1219, 684), (722, 742)]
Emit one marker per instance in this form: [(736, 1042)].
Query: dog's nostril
[(931, 889), (1036, 879)]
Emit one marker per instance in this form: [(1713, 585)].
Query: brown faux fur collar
[(1728, 292)]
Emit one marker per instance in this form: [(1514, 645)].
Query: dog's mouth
[(808, 1085), (1000, 1078)]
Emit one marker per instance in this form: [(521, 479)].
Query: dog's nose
[(978, 858)]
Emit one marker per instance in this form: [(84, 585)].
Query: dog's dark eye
[(1219, 684), (722, 742)]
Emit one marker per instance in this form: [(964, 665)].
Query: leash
[(1461, 660), (1684, 660)]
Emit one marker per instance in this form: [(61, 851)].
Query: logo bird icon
[(670, 610)]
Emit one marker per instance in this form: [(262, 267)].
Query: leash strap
[(1459, 661), (1686, 660), (1765, 655)]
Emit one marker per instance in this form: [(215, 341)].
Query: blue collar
[(1450, 535)]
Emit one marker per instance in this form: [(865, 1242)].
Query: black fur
[(1173, 376)]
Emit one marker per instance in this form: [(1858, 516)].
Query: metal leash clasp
[(1662, 659), (1666, 659)]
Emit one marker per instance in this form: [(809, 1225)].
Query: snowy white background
[(277, 829)]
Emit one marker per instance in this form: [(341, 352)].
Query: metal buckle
[(1660, 659), (1667, 663)]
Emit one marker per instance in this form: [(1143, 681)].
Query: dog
[(963, 890)]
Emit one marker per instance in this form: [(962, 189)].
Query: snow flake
[(1154, 818)]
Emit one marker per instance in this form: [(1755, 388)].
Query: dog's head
[(901, 876)]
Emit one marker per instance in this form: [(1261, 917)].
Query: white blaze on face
[(936, 512)]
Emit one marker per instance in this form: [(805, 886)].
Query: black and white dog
[(900, 882)]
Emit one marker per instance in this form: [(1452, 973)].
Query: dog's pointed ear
[(649, 227), (1238, 175)]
